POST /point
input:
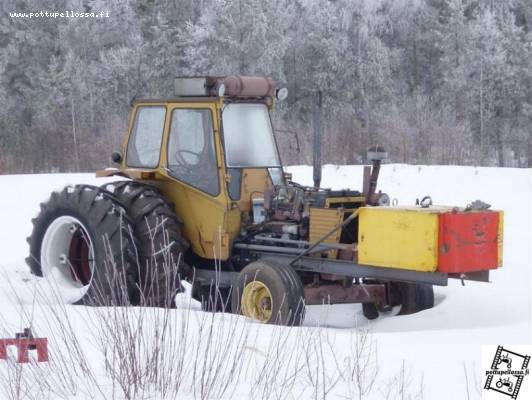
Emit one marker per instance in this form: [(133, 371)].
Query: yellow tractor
[(206, 200)]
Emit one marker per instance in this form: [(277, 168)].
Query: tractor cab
[(208, 150)]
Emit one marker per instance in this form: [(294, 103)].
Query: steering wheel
[(178, 155)]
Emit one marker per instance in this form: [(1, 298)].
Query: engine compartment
[(282, 218)]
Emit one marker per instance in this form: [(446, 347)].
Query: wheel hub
[(67, 257), (257, 301)]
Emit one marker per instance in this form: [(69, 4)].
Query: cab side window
[(191, 155), (144, 145)]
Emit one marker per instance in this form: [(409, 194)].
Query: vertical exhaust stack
[(316, 154), (375, 154)]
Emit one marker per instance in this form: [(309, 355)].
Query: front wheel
[(269, 292)]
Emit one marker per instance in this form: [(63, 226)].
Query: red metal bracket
[(25, 342)]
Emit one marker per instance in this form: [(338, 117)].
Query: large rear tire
[(269, 292), (161, 246), (81, 244)]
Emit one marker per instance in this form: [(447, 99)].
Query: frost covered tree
[(240, 36), (434, 81), (496, 68)]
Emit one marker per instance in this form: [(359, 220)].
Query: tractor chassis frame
[(339, 294), (371, 281)]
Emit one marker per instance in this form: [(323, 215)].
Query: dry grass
[(125, 352)]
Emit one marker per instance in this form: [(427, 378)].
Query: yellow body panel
[(398, 237), (322, 221), (255, 181), (206, 219), (210, 222)]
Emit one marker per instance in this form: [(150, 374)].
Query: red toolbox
[(470, 241)]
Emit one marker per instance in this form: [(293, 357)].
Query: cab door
[(194, 178)]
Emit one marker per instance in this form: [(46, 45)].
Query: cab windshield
[(248, 137)]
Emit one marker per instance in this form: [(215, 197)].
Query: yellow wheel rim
[(257, 301)]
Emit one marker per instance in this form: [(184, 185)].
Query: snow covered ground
[(432, 350)]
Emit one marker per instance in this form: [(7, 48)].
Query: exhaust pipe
[(316, 154), (375, 154)]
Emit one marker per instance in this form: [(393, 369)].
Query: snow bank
[(435, 344)]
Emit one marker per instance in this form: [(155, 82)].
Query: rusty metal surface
[(235, 85), (248, 86), (338, 294), (316, 151), (351, 269), (372, 186), (365, 181)]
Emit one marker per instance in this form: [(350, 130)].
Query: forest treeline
[(433, 81)]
